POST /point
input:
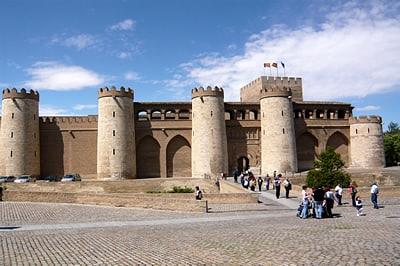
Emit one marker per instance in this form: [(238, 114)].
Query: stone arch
[(243, 163), (179, 157), (307, 147), (148, 157), (340, 143)]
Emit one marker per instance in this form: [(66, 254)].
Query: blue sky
[(344, 51)]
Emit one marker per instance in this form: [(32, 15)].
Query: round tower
[(209, 143), (116, 153), (366, 142), (20, 145), (278, 142)]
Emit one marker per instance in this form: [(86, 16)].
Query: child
[(359, 206)]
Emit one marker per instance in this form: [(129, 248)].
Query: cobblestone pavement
[(251, 234)]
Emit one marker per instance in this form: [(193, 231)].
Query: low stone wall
[(110, 199), (228, 187), (123, 186), (161, 201)]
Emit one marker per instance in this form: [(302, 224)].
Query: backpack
[(289, 186)]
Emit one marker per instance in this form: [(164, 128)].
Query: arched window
[(156, 115), (142, 115)]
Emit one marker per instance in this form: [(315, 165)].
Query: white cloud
[(124, 55), (353, 53), (80, 41), (56, 76), (131, 75), (80, 107), (127, 24), (367, 108), (49, 110)]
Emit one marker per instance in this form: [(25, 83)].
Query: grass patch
[(175, 189)]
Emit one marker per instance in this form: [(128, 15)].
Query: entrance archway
[(243, 163), (307, 145), (148, 158), (339, 142), (179, 158)]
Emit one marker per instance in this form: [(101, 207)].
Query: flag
[(267, 65), (274, 65), (283, 65)]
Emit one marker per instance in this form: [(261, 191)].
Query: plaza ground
[(268, 233)]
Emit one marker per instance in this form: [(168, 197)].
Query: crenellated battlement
[(275, 91), (209, 91), (365, 119), (46, 120), (114, 92), (23, 94)]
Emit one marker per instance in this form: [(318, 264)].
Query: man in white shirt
[(374, 195), (338, 193)]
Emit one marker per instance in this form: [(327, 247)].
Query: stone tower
[(116, 152), (20, 144), (366, 142), (278, 142), (209, 143)]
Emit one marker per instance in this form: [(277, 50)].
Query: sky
[(344, 50)]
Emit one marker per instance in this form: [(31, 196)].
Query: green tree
[(391, 142), (393, 128), (328, 171)]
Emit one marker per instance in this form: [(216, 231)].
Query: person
[(288, 186), (199, 194), (259, 182), (246, 182), (329, 199), (278, 186), (359, 206), (235, 175), (242, 179), (353, 192), (318, 196), (252, 182), (374, 195), (217, 182), (338, 193), (305, 202), (267, 182)]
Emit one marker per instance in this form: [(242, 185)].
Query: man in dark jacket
[(318, 196)]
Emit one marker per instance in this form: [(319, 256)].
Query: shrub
[(328, 171), (178, 189)]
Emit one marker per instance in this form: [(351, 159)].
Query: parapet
[(23, 94), (283, 81), (275, 91), (209, 91), (113, 92), (365, 119)]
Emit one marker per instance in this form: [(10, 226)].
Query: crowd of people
[(249, 181), (316, 202), (319, 202)]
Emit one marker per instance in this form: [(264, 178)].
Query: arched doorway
[(307, 145), (339, 142), (243, 164), (179, 158), (148, 158)]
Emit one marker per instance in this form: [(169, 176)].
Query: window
[(12, 134), (12, 116), (34, 116), (282, 112), (211, 113), (113, 133), (356, 131), (283, 130), (368, 130), (34, 135), (11, 154), (113, 114), (35, 154), (113, 151)]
